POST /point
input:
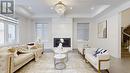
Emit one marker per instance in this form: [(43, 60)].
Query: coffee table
[(62, 51), (59, 62)]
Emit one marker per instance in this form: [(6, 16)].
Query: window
[(83, 31), (42, 32), (2, 37), (7, 32), (11, 32)]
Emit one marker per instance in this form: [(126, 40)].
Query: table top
[(61, 51), (60, 56)]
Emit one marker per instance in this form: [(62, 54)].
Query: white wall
[(113, 41), (62, 28), (125, 15), (76, 43), (25, 29)]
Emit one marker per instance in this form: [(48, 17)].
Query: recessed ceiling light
[(71, 8), (52, 8), (29, 7), (92, 8)]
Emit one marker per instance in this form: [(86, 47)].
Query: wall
[(125, 17), (113, 38), (76, 43), (48, 44), (113, 41), (25, 29), (62, 28)]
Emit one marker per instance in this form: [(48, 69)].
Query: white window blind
[(11, 32), (2, 37), (42, 32), (83, 31)]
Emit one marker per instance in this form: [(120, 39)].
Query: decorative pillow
[(33, 47), (38, 45), (97, 51), (31, 44), (22, 51), (23, 46), (103, 51)]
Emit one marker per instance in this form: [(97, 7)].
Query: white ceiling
[(80, 8)]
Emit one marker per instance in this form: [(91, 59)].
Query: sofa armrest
[(5, 63), (103, 57)]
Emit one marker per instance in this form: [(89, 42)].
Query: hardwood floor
[(120, 65), (125, 53)]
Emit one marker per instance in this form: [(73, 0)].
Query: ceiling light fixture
[(60, 8), (92, 8)]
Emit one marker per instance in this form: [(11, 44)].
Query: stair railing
[(126, 34), (128, 42)]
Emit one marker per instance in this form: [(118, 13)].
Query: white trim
[(8, 19)]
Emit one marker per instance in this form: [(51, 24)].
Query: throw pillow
[(97, 51), (38, 45), (34, 47), (31, 44), (103, 51), (22, 51)]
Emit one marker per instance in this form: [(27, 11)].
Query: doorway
[(125, 32)]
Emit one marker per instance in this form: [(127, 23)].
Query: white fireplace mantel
[(62, 28)]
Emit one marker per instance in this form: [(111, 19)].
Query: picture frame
[(102, 29)]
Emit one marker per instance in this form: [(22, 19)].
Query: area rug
[(75, 64)]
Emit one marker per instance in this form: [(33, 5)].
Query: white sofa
[(9, 63), (80, 47), (80, 50), (100, 62)]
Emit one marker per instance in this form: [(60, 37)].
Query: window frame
[(6, 36)]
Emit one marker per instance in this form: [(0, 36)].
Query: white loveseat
[(9, 63), (100, 62)]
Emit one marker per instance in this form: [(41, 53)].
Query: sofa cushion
[(22, 50), (21, 58), (33, 47), (91, 58)]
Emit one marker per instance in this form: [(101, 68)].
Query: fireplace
[(67, 42)]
